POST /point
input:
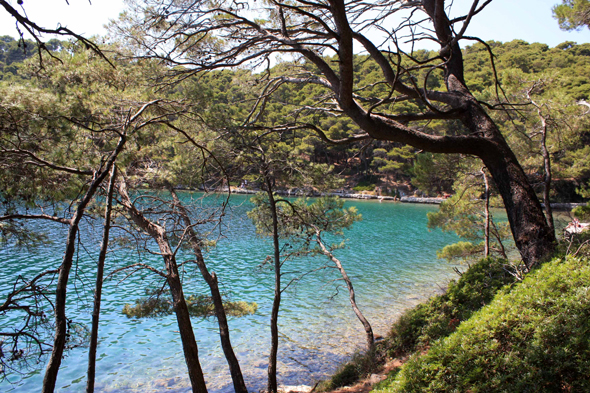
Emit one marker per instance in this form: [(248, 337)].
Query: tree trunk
[(211, 279), (486, 231), (533, 237), (99, 281), (547, 177), (187, 336), (61, 321), (357, 311), (274, 329)]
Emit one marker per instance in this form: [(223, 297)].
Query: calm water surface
[(390, 256)]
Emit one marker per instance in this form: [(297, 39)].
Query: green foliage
[(394, 162), (301, 220), (158, 304), (572, 14), (460, 250), (223, 100), (364, 186), (421, 326), (434, 174), (359, 366), (367, 183), (464, 214), (532, 337), (14, 52), (346, 376), (17, 234), (582, 212)]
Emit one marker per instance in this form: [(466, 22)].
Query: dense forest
[(189, 98), (530, 84)]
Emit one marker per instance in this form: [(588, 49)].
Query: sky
[(502, 20)]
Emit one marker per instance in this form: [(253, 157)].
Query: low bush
[(361, 365), (427, 322), (533, 338), (364, 187), (441, 315)]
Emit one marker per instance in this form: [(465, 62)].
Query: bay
[(390, 256)]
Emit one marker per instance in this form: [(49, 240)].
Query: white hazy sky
[(502, 20)]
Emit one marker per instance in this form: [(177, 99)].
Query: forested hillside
[(525, 85)]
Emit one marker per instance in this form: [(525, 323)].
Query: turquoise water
[(390, 256)]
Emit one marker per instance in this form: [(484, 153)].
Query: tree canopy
[(572, 14)]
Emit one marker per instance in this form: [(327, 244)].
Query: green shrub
[(158, 303), (427, 322), (346, 376), (582, 212), (364, 187), (534, 338), (441, 315), (361, 365)]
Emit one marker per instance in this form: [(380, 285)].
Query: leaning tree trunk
[(211, 280), (530, 230), (187, 336), (357, 311), (532, 236)]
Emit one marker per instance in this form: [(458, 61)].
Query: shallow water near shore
[(390, 256)]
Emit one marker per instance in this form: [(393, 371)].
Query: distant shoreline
[(366, 196)]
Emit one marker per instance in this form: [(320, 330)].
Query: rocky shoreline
[(346, 195), (367, 196)]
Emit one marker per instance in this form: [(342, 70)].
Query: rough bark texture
[(211, 280), (61, 321), (531, 233), (99, 282), (187, 336)]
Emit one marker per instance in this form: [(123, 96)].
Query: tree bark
[(61, 321), (532, 235), (486, 230), (99, 282), (211, 280), (480, 137), (187, 336), (274, 329), (357, 311), (546, 166)]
